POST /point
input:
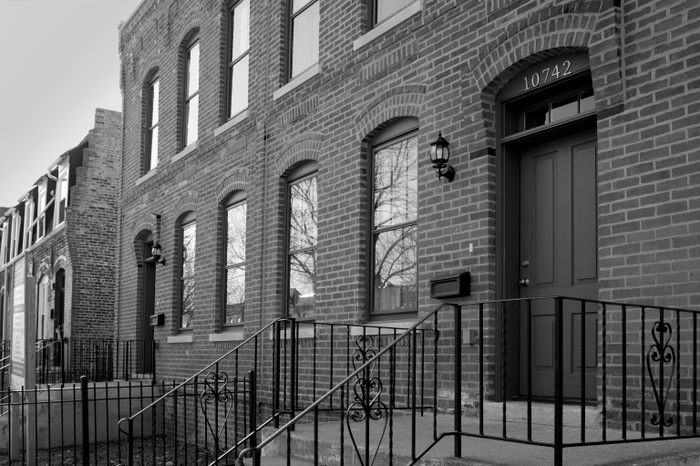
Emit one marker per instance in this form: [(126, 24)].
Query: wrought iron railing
[(67, 360), (638, 362), (261, 383)]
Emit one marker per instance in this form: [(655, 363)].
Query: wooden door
[(558, 257), (147, 309)]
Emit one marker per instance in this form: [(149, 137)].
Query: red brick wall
[(444, 66)]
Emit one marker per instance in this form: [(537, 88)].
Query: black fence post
[(85, 420), (458, 380), (558, 382), (254, 417)]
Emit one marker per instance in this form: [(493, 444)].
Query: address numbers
[(550, 73)]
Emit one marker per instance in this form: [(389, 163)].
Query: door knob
[(524, 282)]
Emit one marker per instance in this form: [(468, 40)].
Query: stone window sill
[(231, 123), (389, 24), (227, 335), (188, 338), (146, 177), (296, 82), (180, 155)]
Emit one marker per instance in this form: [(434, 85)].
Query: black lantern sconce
[(157, 253), (439, 156)]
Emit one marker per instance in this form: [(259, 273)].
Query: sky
[(60, 61)]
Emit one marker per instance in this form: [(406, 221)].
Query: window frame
[(233, 61), (394, 133), (188, 220), (234, 201), (188, 98), (290, 38), (152, 127), (374, 13), (306, 171)]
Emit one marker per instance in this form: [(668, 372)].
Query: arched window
[(394, 219), (235, 209), (302, 222), (188, 241), (190, 94)]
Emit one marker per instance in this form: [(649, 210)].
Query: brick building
[(63, 232), (277, 156)]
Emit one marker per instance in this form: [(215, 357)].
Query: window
[(383, 9), (394, 221), (187, 271), (152, 126), (239, 31), (62, 193), (234, 264), (41, 223), (302, 208), (304, 36), (191, 95)]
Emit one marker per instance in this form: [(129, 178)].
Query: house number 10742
[(547, 74)]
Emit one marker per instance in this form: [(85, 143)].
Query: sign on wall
[(18, 360)]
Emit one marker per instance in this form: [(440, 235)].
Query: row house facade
[(276, 163), (59, 241)]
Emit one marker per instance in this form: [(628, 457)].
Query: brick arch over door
[(530, 40)]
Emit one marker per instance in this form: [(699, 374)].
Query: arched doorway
[(547, 220), (147, 307)]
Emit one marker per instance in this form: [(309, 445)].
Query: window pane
[(187, 316), (302, 216), (564, 108), (189, 239), (241, 29), (298, 4), (386, 8), (536, 117), (396, 183), (154, 148), (587, 101), (302, 284), (239, 86), (155, 93), (192, 119), (236, 234), (305, 39), (395, 270), (235, 294), (193, 70)]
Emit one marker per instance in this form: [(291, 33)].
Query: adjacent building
[(61, 237)]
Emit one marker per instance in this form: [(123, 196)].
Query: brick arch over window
[(237, 181), (592, 28), (306, 146), (185, 206), (403, 101)]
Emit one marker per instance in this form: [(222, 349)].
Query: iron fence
[(638, 362), (4, 364), (101, 360), (73, 424)]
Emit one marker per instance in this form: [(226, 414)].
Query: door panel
[(558, 257)]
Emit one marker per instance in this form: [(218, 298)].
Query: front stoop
[(477, 450)]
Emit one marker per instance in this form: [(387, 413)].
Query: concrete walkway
[(482, 451)]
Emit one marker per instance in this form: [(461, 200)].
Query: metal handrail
[(258, 448)]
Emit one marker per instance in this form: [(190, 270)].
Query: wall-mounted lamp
[(439, 156), (157, 253)]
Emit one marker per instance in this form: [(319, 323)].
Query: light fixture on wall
[(439, 156), (157, 253)]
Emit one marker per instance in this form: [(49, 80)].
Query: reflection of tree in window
[(187, 280), (302, 247), (235, 263), (395, 232)]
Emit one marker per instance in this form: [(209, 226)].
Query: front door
[(558, 257), (147, 309)]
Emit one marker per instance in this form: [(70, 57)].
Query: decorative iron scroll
[(663, 354), (367, 405), (216, 391)]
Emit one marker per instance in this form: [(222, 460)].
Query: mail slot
[(157, 320), (451, 286)]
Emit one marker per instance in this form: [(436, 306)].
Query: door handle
[(524, 282)]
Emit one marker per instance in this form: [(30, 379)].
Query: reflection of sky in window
[(189, 238), (302, 227)]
